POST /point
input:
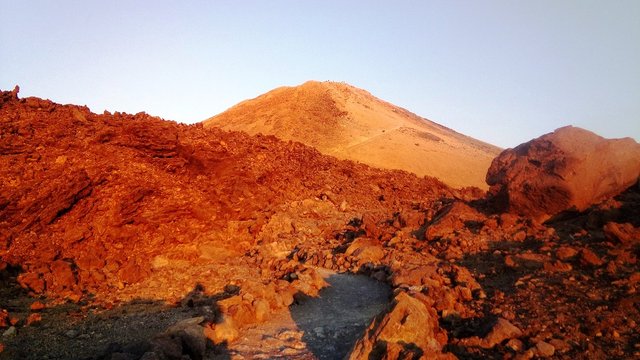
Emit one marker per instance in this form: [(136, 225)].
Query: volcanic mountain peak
[(349, 123)]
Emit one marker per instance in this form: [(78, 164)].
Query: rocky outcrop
[(409, 331), (502, 330), (365, 250), (570, 168), (453, 218), (32, 207), (625, 233)]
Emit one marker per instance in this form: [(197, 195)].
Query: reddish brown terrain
[(130, 237), (349, 123), (570, 168)]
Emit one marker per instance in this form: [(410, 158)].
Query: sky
[(500, 71)]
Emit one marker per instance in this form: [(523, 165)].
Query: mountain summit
[(349, 123)]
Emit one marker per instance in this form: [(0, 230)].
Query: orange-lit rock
[(409, 329), (33, 319), (37, 306), (4, 318), (570, 168)]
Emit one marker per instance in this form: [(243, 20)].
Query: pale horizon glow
[(500, 71)]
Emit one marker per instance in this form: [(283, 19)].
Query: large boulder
[(570, 168)]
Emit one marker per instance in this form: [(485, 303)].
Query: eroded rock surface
[(570, 168), (410, 330)]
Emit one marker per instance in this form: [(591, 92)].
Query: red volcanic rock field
[(131, 237)]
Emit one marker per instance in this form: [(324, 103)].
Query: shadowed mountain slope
[(350, 123)]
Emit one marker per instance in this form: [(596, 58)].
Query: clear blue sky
[(500, 71)]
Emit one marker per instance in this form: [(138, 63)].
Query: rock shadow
[(626, 211), (339, 316), (126, 331), (496, 276), (461, 328)]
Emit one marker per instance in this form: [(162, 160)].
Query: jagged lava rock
[(409, 330), (119, 205), (452, 218), (570, 168), (501, 331)]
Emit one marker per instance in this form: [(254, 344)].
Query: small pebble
[(545, 349), (11, 331)]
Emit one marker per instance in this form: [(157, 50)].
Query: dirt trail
[(318, 328), (361, 141)]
